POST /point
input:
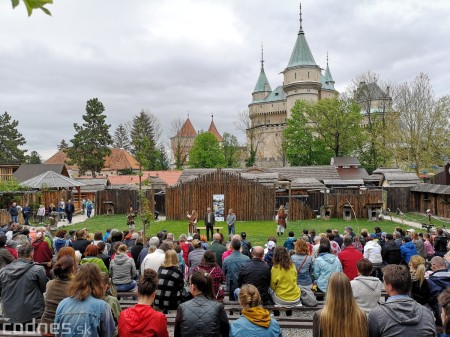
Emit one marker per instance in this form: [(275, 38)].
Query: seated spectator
[(420, 290), (400, 315), (218, 248), (428, 247), (438, 281), (290, 241), (444, 303), (81, 243), (420, 246), (440, 243), (141, 319), (255, 321), (156, 259), (372, 251), (22, 285), (5, 255), (325, 264), (60, 240), (398, 238), (391, 251), (42, 253), (102, 255), (201, 315), (335, 248), (170, 283), (303, 264), (246, 246), (337, 238), (57, 290), (204, 241), (283, 281), (152, 244), (349, 257), (91, 256), (268, 257), (366, 288), (122, 270), (85, 312), (407, 249), (340, 315), (196, 255), (232, 267), (209, 265), (108, 298)]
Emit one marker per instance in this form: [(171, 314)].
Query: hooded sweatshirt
[(401, 317), (408, 249), (324, 266), (142, 320), (122, 269), (367, 292)]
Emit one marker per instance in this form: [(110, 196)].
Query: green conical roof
[(301, 55), (327, 76), (263, 83)]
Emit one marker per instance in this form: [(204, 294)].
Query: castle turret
[(327, 81), (302, 75), (212, 129), (262, 87)]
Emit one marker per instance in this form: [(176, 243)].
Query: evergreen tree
[(10, 140), (34, 158), (91, 142), (143, 140), (121, 139), (63, 145), (206, 152), (163, 160), (230, 147)]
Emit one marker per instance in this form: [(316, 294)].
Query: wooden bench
[(216, 228)]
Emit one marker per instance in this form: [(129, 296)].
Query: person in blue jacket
[(325, 264), (290, 241), (407, 249)]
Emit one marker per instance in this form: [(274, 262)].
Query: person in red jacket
[(141, 319), (348, 257)]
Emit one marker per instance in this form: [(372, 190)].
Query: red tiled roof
[(212, 129), (169, 177), (187, 130)]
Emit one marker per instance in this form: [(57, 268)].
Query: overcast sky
[(172, 57)]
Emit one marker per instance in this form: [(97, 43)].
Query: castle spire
[(262, 85), (301, 28), (262, 56)]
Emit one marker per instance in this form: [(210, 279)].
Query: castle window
[(308, 74), (295, 75)]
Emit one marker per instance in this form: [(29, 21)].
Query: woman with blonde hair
[(255, 321), (340, 315), (85, 312), (420, 291), (170, 283)]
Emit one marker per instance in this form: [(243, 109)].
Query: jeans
[(14, 218), (231, 230), (126, 287)]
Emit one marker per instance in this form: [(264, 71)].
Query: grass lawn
[(257, 231)]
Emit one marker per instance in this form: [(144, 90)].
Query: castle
[(270, 109)]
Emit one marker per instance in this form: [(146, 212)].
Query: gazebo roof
[(51, 179)]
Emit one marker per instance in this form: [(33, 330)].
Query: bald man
[(218, 248), (438, 281), (256, 272)]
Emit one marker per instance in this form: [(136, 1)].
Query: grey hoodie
[(366, 291), (401, 317), (122, 269)]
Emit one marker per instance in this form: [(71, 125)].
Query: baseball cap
[(189, 238), (411, 230), (270, 245)]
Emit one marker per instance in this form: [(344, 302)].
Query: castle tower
[(262, 87), (212, 129), (183, 142), (327, 81), (302, 75)]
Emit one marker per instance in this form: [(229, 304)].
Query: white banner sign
[(219, 207)]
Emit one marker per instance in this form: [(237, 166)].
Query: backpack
[(245, 248)]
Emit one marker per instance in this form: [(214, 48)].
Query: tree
[(301, 147), (163, 162), (121, 139), (206, 152), (10, 140), (91, 142), (422, 129), (254, 134), (34, 4), (231, 151), (34, 158), (144, 134), (63, 145)]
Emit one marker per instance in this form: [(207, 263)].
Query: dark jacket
[(170, 285), (135, 251), (5, 257), (201, 317), (14, 211), (256, 272), (70, 208), (22, 285), (440, 245), (219, 249), (81, 244), (213, 219), (420, 293), (391, 253)]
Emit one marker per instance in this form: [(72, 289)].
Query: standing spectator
[(257, 273), (91, 256), (429, 250), (60, 240), (232, 266), (407, 249), (290, 241), (303, 264), (391, 252), (349, 257), (193, 218), (81, 243), (170, 283), (366, 288), (218, 248), (27, 212), (89, 207), (400, 315), (83, 206), (210, 266), (255, 320), (283, 280), (14, 212), (440, 243), (201, 315), (22, 285), (5, 255), (420, 290), (141, 319), (41, 214), (56, 290), (281, 220), (84, 312), (123, 270), (210, 220), (340, 315), (231, 220), (69, 209), (438, 281), (325, 264)]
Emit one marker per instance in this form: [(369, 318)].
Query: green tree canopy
[(10, 141), (121, 139), (91, 142), (163, 162), (34, 158), (34, 4), (231, 151), (206, 152), (63, 145), (143, 140)]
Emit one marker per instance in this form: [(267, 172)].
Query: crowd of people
[(80, 273)]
